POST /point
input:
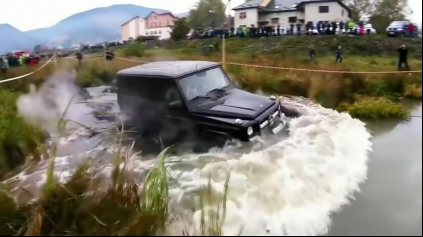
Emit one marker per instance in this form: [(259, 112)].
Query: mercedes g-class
[(177, 100)]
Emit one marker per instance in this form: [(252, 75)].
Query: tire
[(204, 143)]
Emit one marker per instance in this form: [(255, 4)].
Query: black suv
[(175, 100)]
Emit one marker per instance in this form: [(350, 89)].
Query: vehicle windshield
[(398, 23), (202, 83)]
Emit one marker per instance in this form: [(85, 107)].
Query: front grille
[(266, 121)]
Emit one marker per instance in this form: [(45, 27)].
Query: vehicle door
[(178, 123)]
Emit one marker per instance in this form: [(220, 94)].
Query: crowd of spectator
[(311, 28)]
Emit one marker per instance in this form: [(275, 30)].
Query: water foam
[(292, 187)]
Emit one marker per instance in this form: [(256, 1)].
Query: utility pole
[(223, 38), (229, 14)]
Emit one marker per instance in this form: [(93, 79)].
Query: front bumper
[(271, 123), (393, 33)]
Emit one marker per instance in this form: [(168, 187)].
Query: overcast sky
[(32, 14)]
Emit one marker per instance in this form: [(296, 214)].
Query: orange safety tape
[(325, 71), (301, 69)]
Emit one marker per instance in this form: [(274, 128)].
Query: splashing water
[(289, 188), (292, 187)]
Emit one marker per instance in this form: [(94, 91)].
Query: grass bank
[(89, 204)]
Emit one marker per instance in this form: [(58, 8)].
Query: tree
[(180, 30), (207, 13), (387, 11), (360, 9), (37, 48)]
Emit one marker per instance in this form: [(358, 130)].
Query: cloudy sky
[(32, 14)]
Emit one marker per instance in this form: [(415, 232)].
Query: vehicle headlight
[(250, 131), (238, 122)]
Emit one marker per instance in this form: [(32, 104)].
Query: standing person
[(319, 27), (334, 27), (339, 54), (79, 57), (341, 27), (328, 28), (4, 64), (411, 30), (283, 29), (299, 28), (403, 53), (292, 29), (21, 60), (312, 53)]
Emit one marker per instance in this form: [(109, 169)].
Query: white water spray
[(290, 188)]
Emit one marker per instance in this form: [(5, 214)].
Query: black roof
[(284, 5), (169, 69), (274, 3)]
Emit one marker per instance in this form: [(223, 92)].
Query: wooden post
[(223, 40), (104, 56)]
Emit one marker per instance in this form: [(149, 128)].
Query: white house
[(274, 12), (154, 24)]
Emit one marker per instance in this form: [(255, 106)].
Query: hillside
[(96, 25), (13, 39)]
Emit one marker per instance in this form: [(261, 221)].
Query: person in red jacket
[(411, 30)]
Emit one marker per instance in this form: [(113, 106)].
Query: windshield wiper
[(202, 97), (216, 89)]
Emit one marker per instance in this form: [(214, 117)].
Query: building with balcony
[(154, 24), (274, 12)]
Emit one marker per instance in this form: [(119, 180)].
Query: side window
[(292, 19), (323, 9), (150, 89)]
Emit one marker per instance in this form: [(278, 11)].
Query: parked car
[(400, 28), (369, 27), (180, 101)]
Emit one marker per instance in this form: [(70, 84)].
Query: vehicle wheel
[(205, 143)]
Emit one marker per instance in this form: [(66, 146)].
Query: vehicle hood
[(235, 103)]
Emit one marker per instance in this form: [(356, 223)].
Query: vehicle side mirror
[(177, 104)]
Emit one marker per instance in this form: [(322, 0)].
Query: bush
[(18, 140), (375, 108), (135, 49), (413, 91)]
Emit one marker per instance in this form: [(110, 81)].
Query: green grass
[(376, 109), (90, 204), (19, 141), (85, 205)]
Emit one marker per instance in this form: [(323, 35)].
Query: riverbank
[(91, 203)]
